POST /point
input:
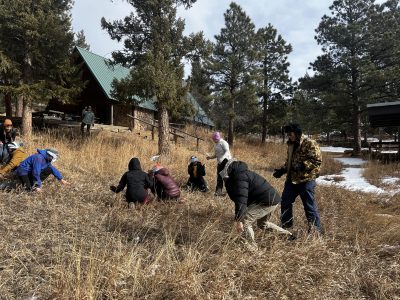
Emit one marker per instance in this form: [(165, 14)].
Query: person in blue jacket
[(37, 167)]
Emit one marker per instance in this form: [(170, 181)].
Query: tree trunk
[(231, 121), (163, 131), (27, 119), (8, 105), (264, 121), (20, 106), (357, 131)]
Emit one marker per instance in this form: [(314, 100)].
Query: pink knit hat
[(216, 136)]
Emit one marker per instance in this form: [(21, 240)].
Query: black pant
[(198, 183), (220, 181), (28, 181), (87, 128)]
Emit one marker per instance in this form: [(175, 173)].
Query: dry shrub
[(375, 171), (82, 242)]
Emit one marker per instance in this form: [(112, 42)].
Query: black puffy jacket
[(137, 182), (246, 187)]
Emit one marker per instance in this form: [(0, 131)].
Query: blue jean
[(306, 192)]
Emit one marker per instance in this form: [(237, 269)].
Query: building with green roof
[(99, 74)]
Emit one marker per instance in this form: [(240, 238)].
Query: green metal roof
[(105, 73)]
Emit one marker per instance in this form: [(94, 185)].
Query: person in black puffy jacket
[(137, 183), (164, 186), (196, 171), (255, 199)]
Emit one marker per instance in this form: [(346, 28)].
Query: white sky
[(295, 20)]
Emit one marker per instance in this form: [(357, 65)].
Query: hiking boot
[(219, 193)]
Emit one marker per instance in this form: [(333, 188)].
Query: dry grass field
[(82, 242)]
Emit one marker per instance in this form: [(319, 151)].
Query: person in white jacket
[(222, 154)]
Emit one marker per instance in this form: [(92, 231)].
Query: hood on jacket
[(43, 152), (134, 164), (236, 167)]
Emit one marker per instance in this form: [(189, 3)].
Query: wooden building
[(99, 75)]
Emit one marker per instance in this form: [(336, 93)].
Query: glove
[(279, 172), (299, 167), (113, 188)]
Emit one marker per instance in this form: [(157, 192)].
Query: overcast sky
[(295, 20)]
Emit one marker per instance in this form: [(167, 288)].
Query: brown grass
[(375, 171), (82, 242)]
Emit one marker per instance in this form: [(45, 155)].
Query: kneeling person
[(255, 199), (37, 167), (196, 171), (17, 154), (137, 183), (164, 186)]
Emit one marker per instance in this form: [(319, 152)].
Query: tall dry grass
[(82, 242)]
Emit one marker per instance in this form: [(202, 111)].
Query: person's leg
[(26, 182), (88, 128), (220, 181), (253, 213), (83, 128), (288, 197), (310, 206), (264, 223), (203, 184)]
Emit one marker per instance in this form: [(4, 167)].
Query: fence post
[(152, 132)]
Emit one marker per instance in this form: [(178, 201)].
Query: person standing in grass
[(255, 199), (137, 182), (37, 167), (87, 120), (302, 167), (222, 154)]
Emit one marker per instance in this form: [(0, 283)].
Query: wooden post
[(112, 115), (152, 132), (197, 144)]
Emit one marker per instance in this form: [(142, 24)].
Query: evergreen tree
[(232, 64), (80, 40), (360, 63), (272, 65), (154, 46), (36, 38)]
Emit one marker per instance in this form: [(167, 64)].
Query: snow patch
[(390, 180)]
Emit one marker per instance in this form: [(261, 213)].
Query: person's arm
[(149, 183), (240, 194), (57, 174), (121, 184), (36, 170), (313, 158)]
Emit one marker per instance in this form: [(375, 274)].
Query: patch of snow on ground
[(350, 161), (335, 149), (390, 180), (353, 181)]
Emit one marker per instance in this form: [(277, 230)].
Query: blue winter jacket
[(35, 164)]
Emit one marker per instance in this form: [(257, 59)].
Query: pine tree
[(36, 38), (232, 64), (154, 46), (273, 72), (80, 40)]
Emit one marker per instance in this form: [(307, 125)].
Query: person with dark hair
[(196, 171), (164, 186), (302, 167), (137, 183), (37, 167), (255, 199), (87, 120), (222, 154), (7, 135)]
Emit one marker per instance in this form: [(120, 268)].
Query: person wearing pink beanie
[(222, 154)]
